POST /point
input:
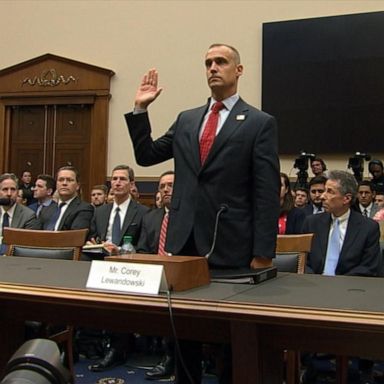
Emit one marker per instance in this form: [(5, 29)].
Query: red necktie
[(209, 133), (163, 236)]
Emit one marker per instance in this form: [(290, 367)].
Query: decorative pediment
[(49, 73)]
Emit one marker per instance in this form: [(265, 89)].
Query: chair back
[(291, 252), (44, 244)]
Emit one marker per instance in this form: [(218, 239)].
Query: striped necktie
[(163, 236)]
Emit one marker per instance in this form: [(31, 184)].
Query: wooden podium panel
[(182, 272)]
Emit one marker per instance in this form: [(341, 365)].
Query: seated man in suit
[(358, 236), (365, 203), (44, 207), (153, 229), (345, 242), (72, 212), (316, 189), (110, 224), (13, 214)]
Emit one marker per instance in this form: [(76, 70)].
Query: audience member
[(158, 203), (301, 197), (316, 189), (20, 199), (13, 214), (291, 218), (110, 224), (375, 168), (357, 236), (365, 199), (345, 243), (72, 212), (99, 195), (135, 193), (44, 207), (379, 199), (110, 196), (26, 186), (318, 166), (153, 229)]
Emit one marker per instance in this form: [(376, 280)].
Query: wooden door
[(44, 138)]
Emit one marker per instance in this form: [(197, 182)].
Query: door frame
[(49, 80)]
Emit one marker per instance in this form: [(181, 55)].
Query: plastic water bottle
[(127, 246)]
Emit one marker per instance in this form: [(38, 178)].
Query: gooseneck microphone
[(223, 208)]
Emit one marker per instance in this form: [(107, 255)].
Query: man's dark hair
[(321, 161), (124, 167), (366, 183), (49, 180), (70, 168), (375, 162), (101, 187), (166, 173), (317, 180)]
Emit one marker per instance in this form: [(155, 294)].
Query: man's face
[(301, 198), (98, 197), (317, 168), (166, 189), (365, 195), (66, 184), (40, 190), (333, 201), (222, 71), (315, 192), (134, 192), (376, 171), (26, 178), (379, 200), (8, 189), (120, 184)]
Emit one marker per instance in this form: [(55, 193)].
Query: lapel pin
[(240, 117)]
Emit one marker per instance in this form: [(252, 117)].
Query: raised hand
[(148, 90)]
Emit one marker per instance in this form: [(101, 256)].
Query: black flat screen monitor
[(323, 80)]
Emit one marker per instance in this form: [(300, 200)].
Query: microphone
[(5, 201), (223, 207)]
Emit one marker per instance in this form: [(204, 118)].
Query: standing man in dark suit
[(358, 243), (226, 138), (72, 212)]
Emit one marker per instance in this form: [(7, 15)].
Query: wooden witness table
[(343, 315)]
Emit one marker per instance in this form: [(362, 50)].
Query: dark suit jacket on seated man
[(240, 175), (359, 251), (131, 213), (73, 213)]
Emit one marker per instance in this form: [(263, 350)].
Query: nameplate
[(126, 277)]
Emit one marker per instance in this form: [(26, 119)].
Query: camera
[(356, 162), (37, 361), (301, 162)]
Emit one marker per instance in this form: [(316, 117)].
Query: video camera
[(356, 162), (302, 161)]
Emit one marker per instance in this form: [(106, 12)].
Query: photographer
[(375, 168)]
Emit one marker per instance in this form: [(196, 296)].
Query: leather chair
[(54, 245), (291, 256)]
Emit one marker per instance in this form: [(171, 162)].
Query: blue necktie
[(51, 225), (116, 227), (333, 250)]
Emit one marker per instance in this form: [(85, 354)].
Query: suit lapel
[(16, 219), (104, 220), (323, 234), (353, 229), (71, 207), (131, 213), (193, 136)]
